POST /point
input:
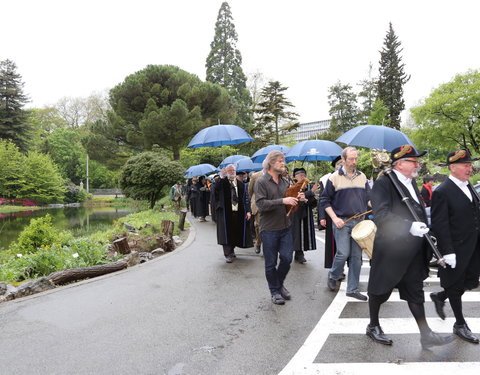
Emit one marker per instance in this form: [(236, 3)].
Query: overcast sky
[(74, 48)]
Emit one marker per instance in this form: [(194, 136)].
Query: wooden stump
[(167, 228), (181, 220), (66, 276), (166, 243), (121, 245)]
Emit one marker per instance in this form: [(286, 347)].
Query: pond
[(80, 220)]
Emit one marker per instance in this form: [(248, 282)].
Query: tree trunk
[(66, 276), (167, 228), (121, 245), (181, 220), (166, 243)]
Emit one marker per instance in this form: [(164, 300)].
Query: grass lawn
[(6, 209)]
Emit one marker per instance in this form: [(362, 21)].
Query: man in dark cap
[(400, 252), (303, 225), (456, 224)]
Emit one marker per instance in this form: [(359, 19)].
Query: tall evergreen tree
[(274, 118), (367, 96), (224, 66), (12, 99), (343, 107), (392, 78)]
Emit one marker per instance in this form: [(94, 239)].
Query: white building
[(308, 130)]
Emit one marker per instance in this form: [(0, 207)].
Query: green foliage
[(12, 99), (12, 173), (343, 107), (379, 113), (367, 95), (450, 117), (144, 176), (40, 233), (392, 78), (274, 119), (209, 155), (162, 105), (224, 66)]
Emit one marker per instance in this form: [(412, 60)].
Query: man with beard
[(400, 252), (275, 227), (456, 224), (233, 212)]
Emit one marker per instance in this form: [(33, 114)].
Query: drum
[(364, 234)]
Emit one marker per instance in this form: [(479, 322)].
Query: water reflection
[(71, 218)]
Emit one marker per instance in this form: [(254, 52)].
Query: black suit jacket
[(455, 224)]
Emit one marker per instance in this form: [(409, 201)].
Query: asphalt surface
[(187, 312)]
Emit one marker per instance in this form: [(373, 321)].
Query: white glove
[(450, 259), (418, 229)]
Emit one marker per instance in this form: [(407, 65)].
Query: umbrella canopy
[(247, 165), (261, 154), (313, 150), (231, 160), (375, 136), (220, 135), (199, 170)]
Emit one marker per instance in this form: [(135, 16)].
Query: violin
[(293, 191)]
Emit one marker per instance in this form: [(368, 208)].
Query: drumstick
[(357, 215)]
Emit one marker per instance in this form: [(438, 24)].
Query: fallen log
[(75, 274)]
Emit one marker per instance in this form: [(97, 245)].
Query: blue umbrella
[(313, 150), (375, 136), (247, 165), (220, 135), (199, 170), (231, 160), (261, 154)]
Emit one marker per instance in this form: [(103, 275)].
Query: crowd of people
[(272, 211)]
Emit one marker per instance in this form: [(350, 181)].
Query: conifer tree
[(392, 78), (343, 107), (224, 66), (13, 124)]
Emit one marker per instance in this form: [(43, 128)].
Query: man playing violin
[(275, 228)]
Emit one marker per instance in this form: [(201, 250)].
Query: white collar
[(405, 180), (458, 182)]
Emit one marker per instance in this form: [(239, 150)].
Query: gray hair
[(272, 158), (346, 150)]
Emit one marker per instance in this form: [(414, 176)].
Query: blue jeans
[(277, 243), (347, 248)]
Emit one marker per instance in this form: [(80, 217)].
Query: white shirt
[(463, 185), (407, 182)]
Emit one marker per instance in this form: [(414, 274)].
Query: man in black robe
[(232, 205)]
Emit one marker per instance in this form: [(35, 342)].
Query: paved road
[(190, 313)]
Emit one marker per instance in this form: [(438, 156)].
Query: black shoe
[(228, 259), (277, 299), (439, 304), (257, 249), (332, 284), (342, 277), (301, 259), (462, 331), (357, 295), (434, 339), (376, 334), (285, 293)]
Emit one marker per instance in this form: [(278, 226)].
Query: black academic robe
[(456, 223), (232, 229), (303, 224), (395, 250)]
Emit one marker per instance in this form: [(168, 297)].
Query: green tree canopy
[(162, 105), (145, 175), (378, 115), (392, 78), (343, 107), (12, 100), (367, 96), (12, 171), (274, 117), (450, 117), (224, 66)]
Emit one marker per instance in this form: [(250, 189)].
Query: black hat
[(240, 173), (335, 161), (459, 156), (299, 170), (405, 151)]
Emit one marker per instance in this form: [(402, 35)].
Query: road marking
[(331, 323)]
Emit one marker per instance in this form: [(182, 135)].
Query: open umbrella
[(231, 160), (375, 136), (220, 135), (261, 154), (247, 165), (199, 170), (313, 150)]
